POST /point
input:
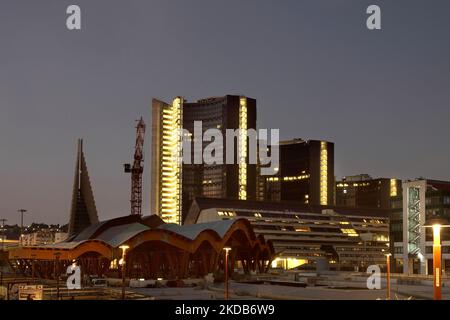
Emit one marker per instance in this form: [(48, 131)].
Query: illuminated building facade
[(349, 239), (174, 184), (422, 200), (166, 171), (305, 175), (362, 191)]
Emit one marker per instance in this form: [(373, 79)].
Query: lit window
[(350, 232), (226, 213)]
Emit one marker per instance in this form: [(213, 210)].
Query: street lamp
[(3, 233), (56, 270), (21, 211), (3, 247), (388, 276), (437, 225), (227, 250), (437, 271), (33, 259), (122, 262)]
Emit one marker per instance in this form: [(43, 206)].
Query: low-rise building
[(349, 239), (43, 236), (39, 237), (60, 236)]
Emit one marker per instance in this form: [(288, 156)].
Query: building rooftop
[(201, 203), (118, 231), (193, 230)]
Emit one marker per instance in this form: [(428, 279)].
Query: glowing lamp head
[(124, 247), (437, 224), (437, 233)]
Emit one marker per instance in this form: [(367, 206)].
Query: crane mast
[(137, 169)]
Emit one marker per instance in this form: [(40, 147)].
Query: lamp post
[(33, 259), (3, 233), (388, 276), (437, 270), (57, 254), (123, 262), (21, 211), (437, 225), (3, 247), (227, 250)]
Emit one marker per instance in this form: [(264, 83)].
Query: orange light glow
[(437, 234)]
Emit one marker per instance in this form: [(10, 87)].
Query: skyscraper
[(305, 175), (83, 211), (174, 184), (166, 168)]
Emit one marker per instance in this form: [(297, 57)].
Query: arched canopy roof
[(106, 236), (63, 251), (190, 237)]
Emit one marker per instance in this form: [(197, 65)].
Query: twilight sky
[(315, 69)]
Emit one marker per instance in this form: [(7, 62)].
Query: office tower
[(362, 191), (305, 174), (174, 184), (165, 190), (83, 211)]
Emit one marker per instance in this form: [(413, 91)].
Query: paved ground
[(266, 291), (249, 291), (188, 294), (284, 292), (420, 292)]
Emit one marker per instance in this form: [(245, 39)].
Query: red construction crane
[(137, 169)]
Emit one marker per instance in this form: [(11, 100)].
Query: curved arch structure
[(93, 256), (65, 251), (155, 250), (165, 253)]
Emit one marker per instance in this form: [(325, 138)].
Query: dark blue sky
[(316, 71)]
